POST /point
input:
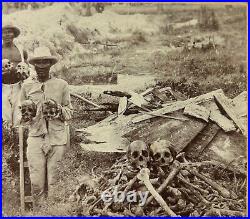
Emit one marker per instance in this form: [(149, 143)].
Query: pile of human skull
[(174, 186)]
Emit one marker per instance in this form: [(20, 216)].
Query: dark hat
[(15, 30)]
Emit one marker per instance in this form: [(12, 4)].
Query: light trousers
[(43, 167), (10, 103)]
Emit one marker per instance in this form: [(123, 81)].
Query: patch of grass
[(206, 70)]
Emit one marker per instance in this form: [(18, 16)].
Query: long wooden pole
[(21, 164), (85, 100)]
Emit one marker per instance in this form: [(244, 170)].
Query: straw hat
[(15, 30), (42, 53)]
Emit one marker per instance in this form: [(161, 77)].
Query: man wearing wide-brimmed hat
[(12, 55), (47, 132)]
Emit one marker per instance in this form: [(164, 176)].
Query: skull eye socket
[(145, 153), (135, 154), (157, 156), (23, 110), (141, 158), (30, 110), (167, 154)]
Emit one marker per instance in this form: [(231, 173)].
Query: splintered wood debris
[(208, 130), (173, 120)]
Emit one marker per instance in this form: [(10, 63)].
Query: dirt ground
[(161, 59)]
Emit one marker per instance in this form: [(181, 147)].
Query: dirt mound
[(65, 32)]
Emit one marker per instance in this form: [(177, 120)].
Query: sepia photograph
[(124, 109)]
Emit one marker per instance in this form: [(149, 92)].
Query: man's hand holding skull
[(7, 66), (22, 69), (51, 110), (28, 110)]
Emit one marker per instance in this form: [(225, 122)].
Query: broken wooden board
[(241, 107), (180, 133), (225, 105), (137, 99), (186, 134), (123, 104), (106, 136), (229, 149), (240, 104), (146, 92), (216, 116), (201, 141), (103, 147), (197, 111), (114, 134), (178, 105)]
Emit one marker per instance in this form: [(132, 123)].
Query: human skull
[(7, 65), (28, 110), (23, 70), (138, 154), (50, 110), (162, 153)]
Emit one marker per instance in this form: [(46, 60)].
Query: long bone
[(176, 167), (183, 180), (127, 188), (223, 191), (143, 175)]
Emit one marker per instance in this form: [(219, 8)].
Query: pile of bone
[(155, 182)]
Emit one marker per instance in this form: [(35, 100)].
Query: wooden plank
[(85, 100), (202, 140), (197, 111), (180, 133), (240, 104), (229, 149), (186, 134), (146, 92), (109, 136), (123, 105), (216, 116), (241, 107), (224, 104), (103, 147), (149, 112), (171, 107), (137, 99)]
